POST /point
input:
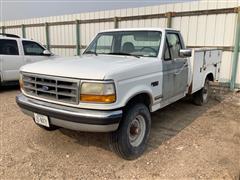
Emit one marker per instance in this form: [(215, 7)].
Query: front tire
[(130, 140), (202, 96)]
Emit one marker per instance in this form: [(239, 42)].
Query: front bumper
[(72, 118)]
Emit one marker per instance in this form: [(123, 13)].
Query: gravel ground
[(186, 141)]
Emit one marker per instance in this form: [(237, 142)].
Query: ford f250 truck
[(16, 52), (122, 77)]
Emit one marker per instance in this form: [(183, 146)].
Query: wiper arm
[(91, 52), (126, 54)]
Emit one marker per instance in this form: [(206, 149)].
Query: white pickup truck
[(16, 52), (123, 76)]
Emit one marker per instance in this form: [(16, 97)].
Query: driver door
[(10, 60), (175, 68), (33, 52)]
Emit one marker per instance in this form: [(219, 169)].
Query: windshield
[(132, 43)]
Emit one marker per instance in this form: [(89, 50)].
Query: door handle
[(182, 68)]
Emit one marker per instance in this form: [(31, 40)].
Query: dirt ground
[(186, 141)]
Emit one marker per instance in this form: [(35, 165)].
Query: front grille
[(51, 88)]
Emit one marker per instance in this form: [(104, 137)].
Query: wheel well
[(210, 77), (140, 98)]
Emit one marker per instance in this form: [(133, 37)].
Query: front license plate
[(41, 120)]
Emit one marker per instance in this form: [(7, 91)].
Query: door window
[(32, 48), (174, 45), (8, 47)]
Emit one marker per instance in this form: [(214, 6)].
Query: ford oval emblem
[(45, 88)]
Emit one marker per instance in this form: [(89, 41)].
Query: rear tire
[(130, 140), (201, 97)]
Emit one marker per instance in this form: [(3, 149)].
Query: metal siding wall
[(228, 40), (208, 30), (36, 33), (202, 30), (62, 35), (17, 31), (238, 72)]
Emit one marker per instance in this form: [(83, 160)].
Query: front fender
[(134, 91)]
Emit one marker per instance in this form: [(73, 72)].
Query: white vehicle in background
[(123, 76), (16, 52)]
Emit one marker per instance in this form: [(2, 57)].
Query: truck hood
[(86, 67)]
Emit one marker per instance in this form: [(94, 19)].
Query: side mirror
[(47, 53), (185, 53)]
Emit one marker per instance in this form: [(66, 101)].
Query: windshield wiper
[(124, 54), (91, 52)]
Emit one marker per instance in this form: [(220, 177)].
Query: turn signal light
[(21, 83), (98, 98)]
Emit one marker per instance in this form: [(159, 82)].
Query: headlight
[(97, 92)]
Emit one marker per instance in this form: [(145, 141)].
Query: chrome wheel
[(136, 131)]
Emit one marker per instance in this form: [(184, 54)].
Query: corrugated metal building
[(205, 23)]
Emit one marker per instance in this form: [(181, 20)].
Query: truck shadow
[(166, 124), (171, 120), (9, 88)]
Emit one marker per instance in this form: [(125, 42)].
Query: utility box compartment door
[(213, 61), (197, 62)]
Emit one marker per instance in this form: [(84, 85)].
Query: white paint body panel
[(131, 75)]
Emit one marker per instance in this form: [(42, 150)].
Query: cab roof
[(139, 29), (14, 38)]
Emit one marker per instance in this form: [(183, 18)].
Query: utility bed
[(202, 62)]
